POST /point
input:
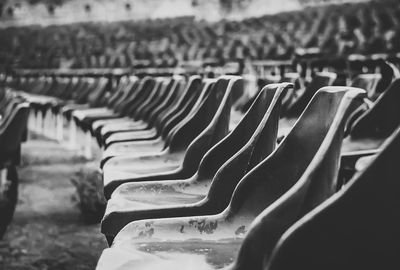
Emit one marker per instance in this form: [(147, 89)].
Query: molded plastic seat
[(357, 228), (183, 115), (12, 129), (296, 177), (301, 99), (128, 107), (189, 143), (85, 117), (151, 127), (161, 121), (221, 168), (369, 131)]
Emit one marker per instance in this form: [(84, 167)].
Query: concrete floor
[(48, 231)]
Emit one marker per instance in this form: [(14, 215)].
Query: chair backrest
[(368, 82), (98, 92), (243, 132), (11, 134), (157, 96), (127, 90), (247, 145), (357, 228), (175, 92), (191, 91), (145, 88), (208, 126), (320, 80), (382, 119), (187, 110), (296, 177)]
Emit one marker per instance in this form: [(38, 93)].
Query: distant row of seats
[(363, 27), (192, 182)]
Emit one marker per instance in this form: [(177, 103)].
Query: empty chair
[(192, 104), (163, 118), (371, 128), (221, 168), (300, 99), (357, 228), (12, 128), (296, 177), (149, 127), (189, 142)]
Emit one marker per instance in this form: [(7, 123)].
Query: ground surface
[(47, 231)]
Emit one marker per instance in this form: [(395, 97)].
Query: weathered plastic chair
[(305, 163), (357, 228), (135, 131), (148, 128), (157, 124), (12, 129), (188, 144), (368, 82), (368, 132), (221, 168), (298, 103), (128, 107), (85, 117), (186, 112)]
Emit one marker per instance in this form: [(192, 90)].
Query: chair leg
[(59, 127), (72, 134)]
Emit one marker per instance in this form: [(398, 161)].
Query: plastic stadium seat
[(357, 228), (300, 99), (306, 164), (368, 132), (187, 146), (12, 127), (221, 168), (185, 113)]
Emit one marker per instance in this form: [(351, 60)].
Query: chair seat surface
[(130, 196), (133, 148), (168, 255), (99, 123), (131, 135), (131, 167), (352, 146), (122, 126)]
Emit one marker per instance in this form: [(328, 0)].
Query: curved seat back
[(368, 82), (357, 228), (96, 94), (382, 119), (320, 80), (189, 95), (157, 96), (11, 134), (247, 145), (145, 88), (296, 177), (200, 91), (175, 92), (208, 126)]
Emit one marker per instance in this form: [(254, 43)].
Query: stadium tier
[(265, 143)]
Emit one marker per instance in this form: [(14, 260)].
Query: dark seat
[(219, 171), (190, 141), (195, 93), (300, 98), (369, 131), (12, 129), (358, 228), (305, 163), (149, 127)]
